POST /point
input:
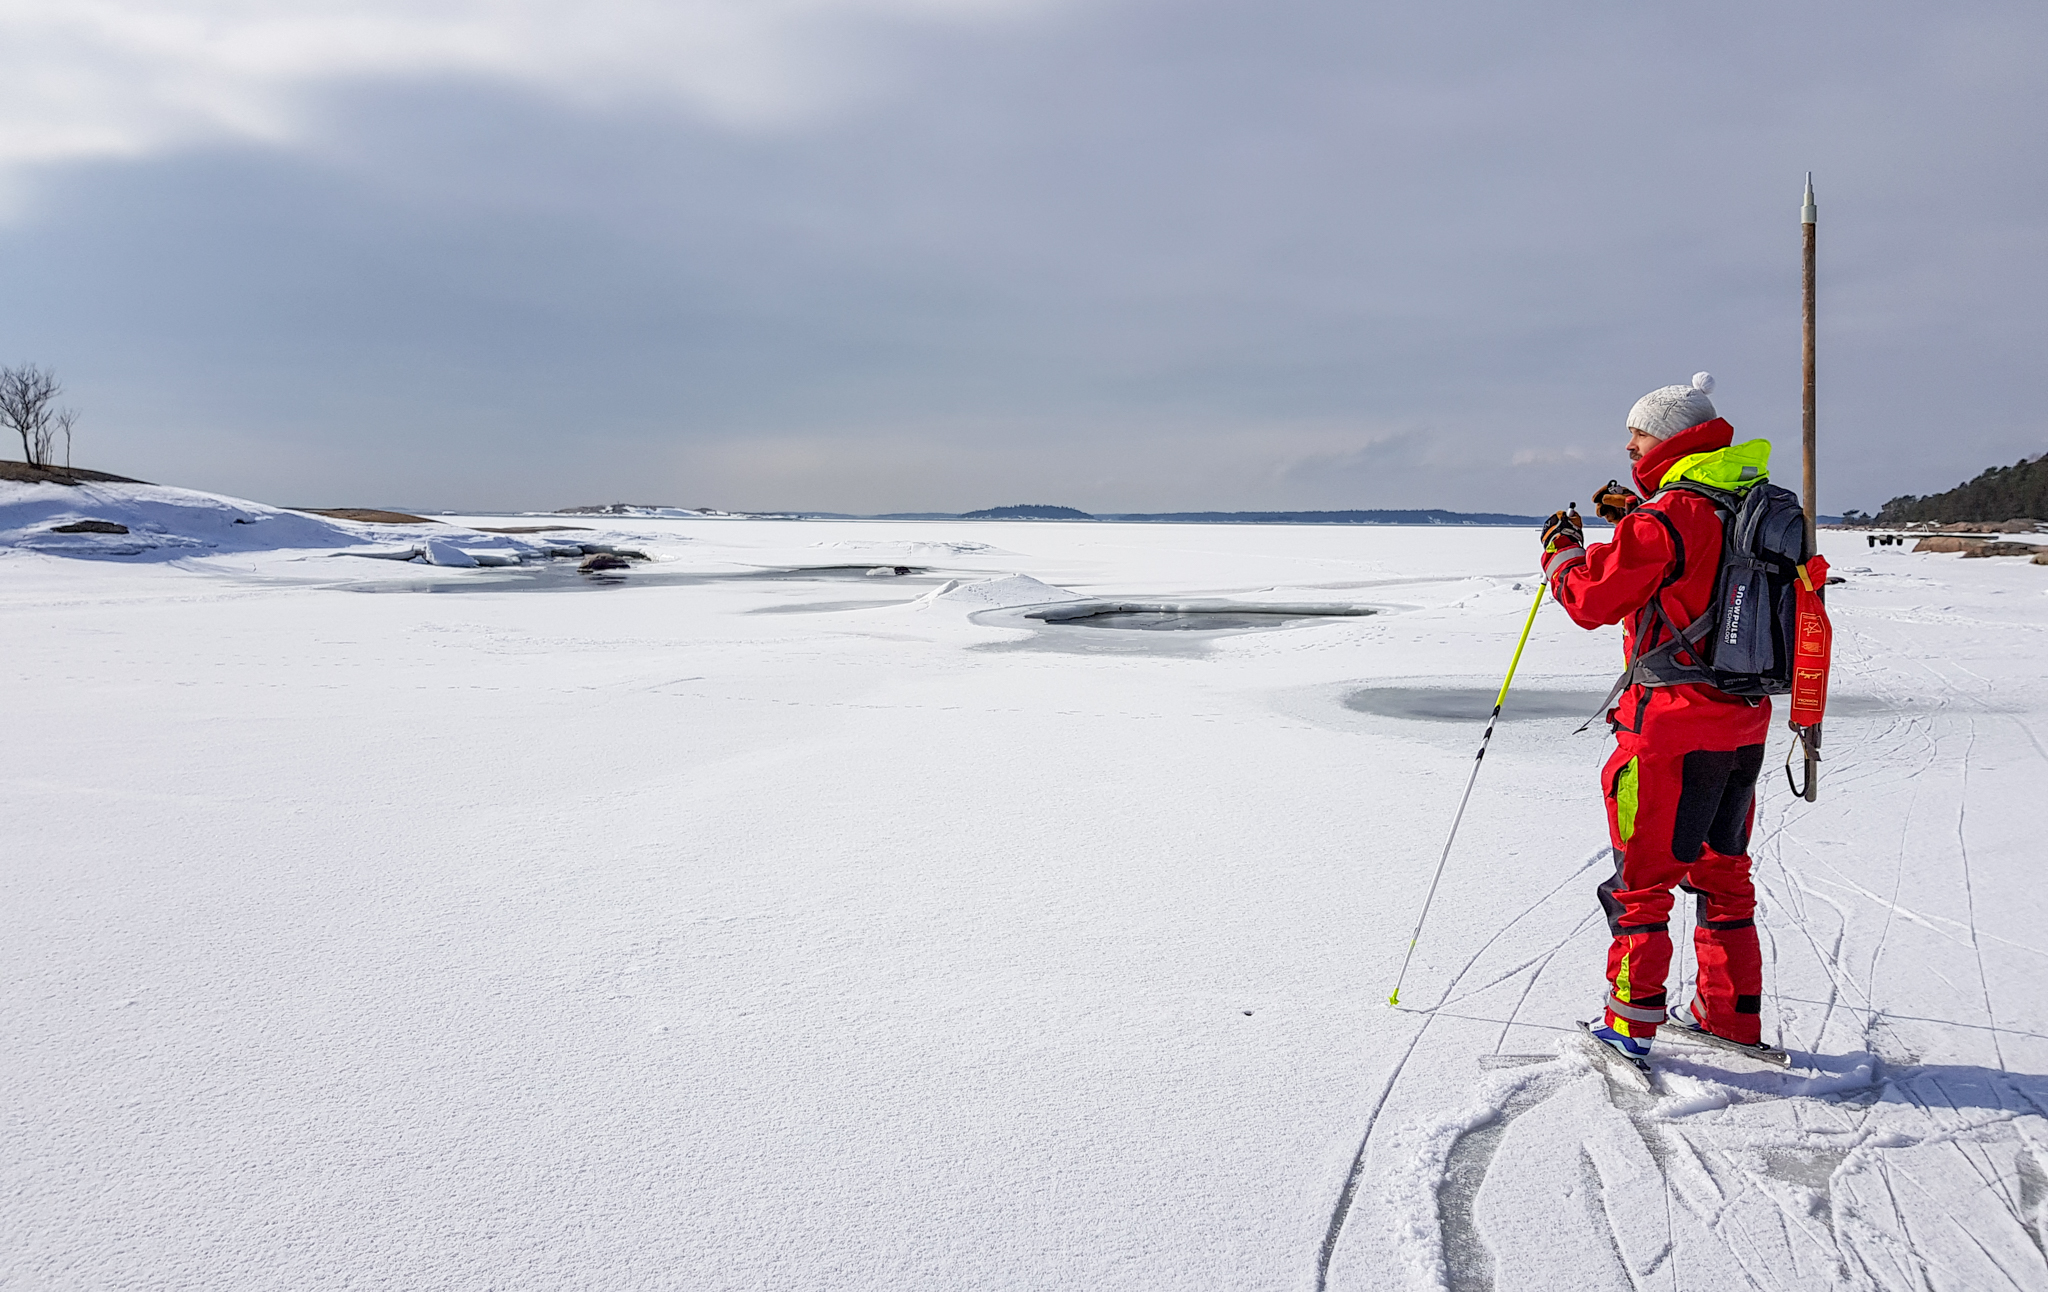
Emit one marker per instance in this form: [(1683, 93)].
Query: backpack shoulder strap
[(1690, 637), (1677, 545)]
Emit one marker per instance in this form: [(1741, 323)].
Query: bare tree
[(27, 396), (43, 439)]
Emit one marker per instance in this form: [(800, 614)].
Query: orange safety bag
[(1814, 646)]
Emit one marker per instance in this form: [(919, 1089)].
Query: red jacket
[(1613, 582)]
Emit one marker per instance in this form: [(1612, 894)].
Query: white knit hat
[(1667, 410)]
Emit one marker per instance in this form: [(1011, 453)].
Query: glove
[(1613, 501), (1564, 542), (1564, 530)]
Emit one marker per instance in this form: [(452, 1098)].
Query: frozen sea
[(747, 920)]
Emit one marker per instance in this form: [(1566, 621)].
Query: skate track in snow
[(1863, 1167), (747, 921)]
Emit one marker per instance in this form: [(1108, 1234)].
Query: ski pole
[(1498, 701)]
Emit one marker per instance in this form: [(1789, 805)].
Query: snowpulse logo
[(1734, 619)]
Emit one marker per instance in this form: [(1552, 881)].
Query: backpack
[(1745, 641)]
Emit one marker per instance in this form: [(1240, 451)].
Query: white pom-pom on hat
[(1703, 382)]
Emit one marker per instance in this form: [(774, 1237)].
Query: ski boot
[(1625, 1054)]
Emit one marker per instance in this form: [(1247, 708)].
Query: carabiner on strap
[(1809, 746)]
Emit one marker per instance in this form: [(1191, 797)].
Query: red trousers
[(1682, 818)]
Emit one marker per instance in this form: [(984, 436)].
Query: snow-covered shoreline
[(755, 921), (163, 522)]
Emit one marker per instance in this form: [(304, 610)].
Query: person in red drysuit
[(1681, 784)]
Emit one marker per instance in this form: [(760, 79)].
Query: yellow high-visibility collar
[(1733, 469)]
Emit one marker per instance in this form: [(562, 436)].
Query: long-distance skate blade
[(1760, 1052)]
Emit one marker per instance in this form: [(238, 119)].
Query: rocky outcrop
[(371, 516), (24, 473), (1974, 546)]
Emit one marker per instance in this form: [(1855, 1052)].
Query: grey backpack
[(1742, 644)]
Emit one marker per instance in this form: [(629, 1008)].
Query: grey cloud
[(1128, 256)]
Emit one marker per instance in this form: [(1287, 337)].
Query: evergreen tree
[(2001, 493)]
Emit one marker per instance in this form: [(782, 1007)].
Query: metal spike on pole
[(1809, 737), (1498, 701)]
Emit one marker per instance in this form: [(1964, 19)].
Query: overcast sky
[(1123, 255)]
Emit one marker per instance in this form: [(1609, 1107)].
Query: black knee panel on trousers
[(1713, 805)]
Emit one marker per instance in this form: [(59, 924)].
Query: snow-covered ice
[(742, 920)]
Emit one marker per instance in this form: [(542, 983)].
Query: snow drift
[(166, 522), (158, 518), (1004, 593)]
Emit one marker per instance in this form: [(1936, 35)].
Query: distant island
[(1426, 516), (1026, 511), (1047, 511)]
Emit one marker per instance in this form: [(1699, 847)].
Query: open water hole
[(1148, 628), (1178, 621), (1162, 616)]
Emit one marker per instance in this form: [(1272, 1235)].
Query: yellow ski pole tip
[(1395, 999)]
